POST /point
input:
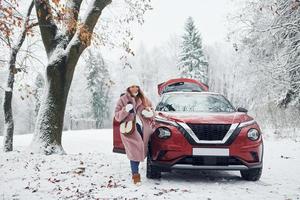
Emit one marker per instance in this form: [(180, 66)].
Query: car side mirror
[(240, 109)]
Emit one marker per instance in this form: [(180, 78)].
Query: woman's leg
[(134, 166), (136, 177)]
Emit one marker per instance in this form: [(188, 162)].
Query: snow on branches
[(268, 31)]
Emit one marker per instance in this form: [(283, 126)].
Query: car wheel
[(152, 172), (251, 174)]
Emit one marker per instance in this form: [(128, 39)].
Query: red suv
[(200, 130)]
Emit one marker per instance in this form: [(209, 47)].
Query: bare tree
[(12, 70)]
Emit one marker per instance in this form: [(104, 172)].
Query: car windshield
[(194, 102), (182, 86)]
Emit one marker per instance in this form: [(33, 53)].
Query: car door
[(181, 85), (118, 146)]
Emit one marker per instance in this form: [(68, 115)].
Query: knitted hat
[(131, 80)]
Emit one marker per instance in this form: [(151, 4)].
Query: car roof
[(182, 92)]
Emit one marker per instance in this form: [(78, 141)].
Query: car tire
[(152, 172), (251, 174)]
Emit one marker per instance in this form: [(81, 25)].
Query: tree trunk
[(49, 125), (8, 115)]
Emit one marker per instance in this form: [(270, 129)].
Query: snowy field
[(92, 171)]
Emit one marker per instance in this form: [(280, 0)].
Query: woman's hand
[(147, 112), (129, 108)]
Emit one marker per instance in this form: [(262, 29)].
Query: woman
[(134, 104)]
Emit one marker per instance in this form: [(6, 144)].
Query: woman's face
[(134, 89)]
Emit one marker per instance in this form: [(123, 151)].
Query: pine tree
[(192, 63), (98, 82)]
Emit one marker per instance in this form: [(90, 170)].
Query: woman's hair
[(142, 96)]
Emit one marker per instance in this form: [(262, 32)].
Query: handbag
[(127, 127)]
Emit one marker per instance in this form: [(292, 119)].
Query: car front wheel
[(152, 172), (251, 174)]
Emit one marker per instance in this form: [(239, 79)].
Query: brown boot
[(136, 178)]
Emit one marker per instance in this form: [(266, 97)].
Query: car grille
[(210, 131)]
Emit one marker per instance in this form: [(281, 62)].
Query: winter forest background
[(256, 65)]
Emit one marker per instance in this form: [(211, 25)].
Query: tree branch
[(25, 27), (93, 14), (73, 8), (47, 25), (15, 49), (5, 40), (80, 41)]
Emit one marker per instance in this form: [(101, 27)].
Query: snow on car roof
[(181, 92)]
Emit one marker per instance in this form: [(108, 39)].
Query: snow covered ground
[(92, 171)]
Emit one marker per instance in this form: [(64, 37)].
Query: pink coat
[(136, 148)]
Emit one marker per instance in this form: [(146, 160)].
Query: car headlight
[(253, 134), (163, 133)]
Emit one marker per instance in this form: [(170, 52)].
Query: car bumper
[(179, 165)]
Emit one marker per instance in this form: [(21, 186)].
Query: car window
[(183, 87), (194, 102)]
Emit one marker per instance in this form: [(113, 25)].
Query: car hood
[(206, 118)]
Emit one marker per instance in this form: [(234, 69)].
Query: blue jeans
[(134, 166)]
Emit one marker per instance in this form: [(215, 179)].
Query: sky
[(168, 17)]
